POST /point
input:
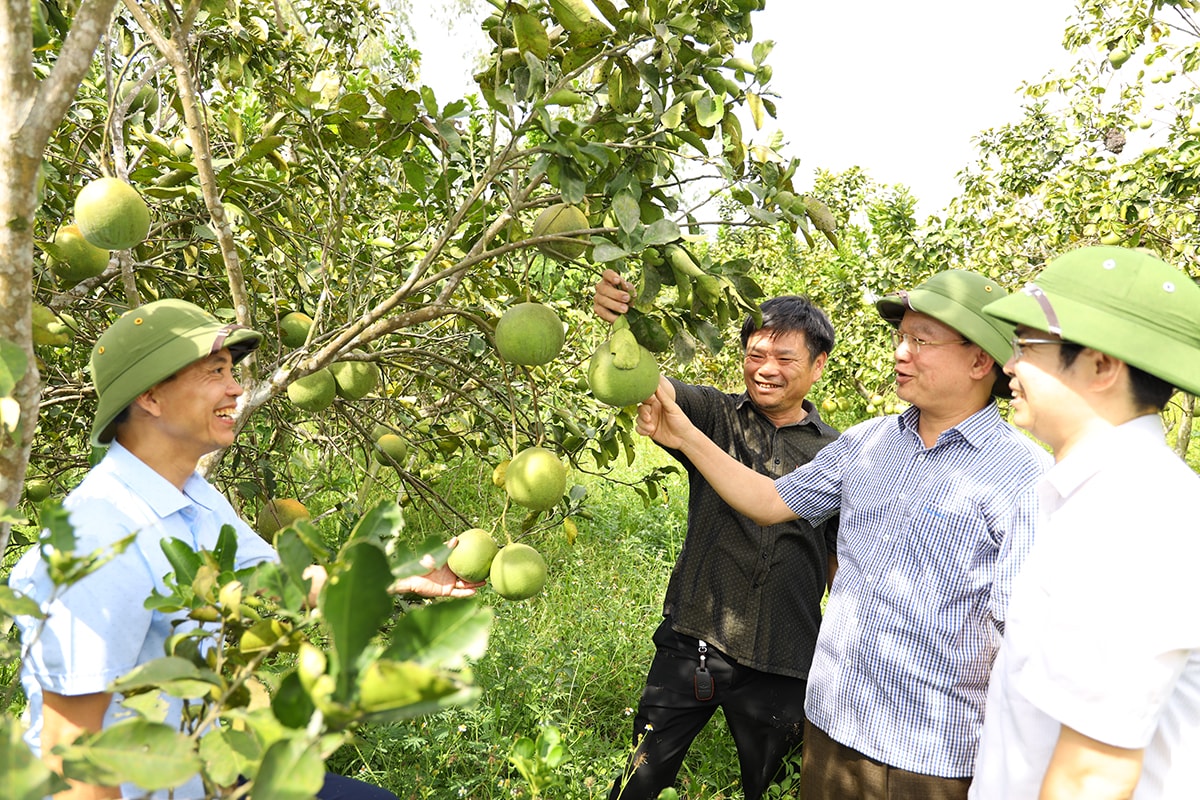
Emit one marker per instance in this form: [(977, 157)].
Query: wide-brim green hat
[(956, 298), (1123, 302), (149, 344)]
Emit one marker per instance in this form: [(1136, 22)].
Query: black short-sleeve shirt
[(751, 591)]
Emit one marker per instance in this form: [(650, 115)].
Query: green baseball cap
[(149, 344), (1123, 302), (956, 297)]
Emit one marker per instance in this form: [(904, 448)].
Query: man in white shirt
[(1096, 690)]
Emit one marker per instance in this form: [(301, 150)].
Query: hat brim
[(1135, 343), (170, 358)]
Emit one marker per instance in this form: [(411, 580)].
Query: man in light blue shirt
[(937, 510), (167, 397)]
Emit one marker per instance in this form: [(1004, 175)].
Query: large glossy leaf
[(25, 776), (446, 634), (292, 769), (403, 689), (13, 604), (428, 555), (13, 363), (355, 603), (150, 754), (380, 524)]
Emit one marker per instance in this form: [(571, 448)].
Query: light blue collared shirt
[(99, 629)]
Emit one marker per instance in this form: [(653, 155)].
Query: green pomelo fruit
[(48, 328), (146, 99), (391, 450), (535, 478), (559, 219), (355, 379), (529, 334), (111, 214), (380, 430), (277, 513), (518, 572), (313, 392), (74, 258), (471, 558), (621, 387), (293, 328), (37, 490)]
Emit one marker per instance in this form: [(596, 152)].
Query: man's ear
[(818, 366), (1104, 371), (982, 365), (147, 403)]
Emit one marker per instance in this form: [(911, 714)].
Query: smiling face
[(951, 380), (194, 409), (779, 371), (1046, 401)]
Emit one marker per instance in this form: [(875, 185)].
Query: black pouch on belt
[(703, 681)]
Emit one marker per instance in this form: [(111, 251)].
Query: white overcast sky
[(898, 88)]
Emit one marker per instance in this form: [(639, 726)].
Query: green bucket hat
[(149, 344), (1123, 302), (956, 298)]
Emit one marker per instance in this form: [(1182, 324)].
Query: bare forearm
[(745, 490), (1082, 767), (64, 718)]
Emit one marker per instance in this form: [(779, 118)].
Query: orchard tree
[(299, 182)]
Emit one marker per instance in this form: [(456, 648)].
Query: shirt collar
[(159, 493), (976, 430), (1095, 452), (813, 416)]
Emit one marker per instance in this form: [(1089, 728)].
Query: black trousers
[(765, 714)]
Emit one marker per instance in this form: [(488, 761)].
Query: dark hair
[(793, 314), (1148, 391)]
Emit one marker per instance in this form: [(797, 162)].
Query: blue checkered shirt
[(929, 542)]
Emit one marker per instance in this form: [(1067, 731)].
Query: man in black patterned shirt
[(743, 603)]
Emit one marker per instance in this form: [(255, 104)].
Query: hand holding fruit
[(438, 582), (612, 296), (660, 418)]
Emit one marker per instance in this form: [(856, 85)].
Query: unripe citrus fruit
[(355, 379), (313, 392), (471, 558), (530, 334), (621, 387), (561, 218), (391, 450), (293, 328), (277, 513), (111, 214), (518, 572), (74, 258), (37, 490), (535, 478)]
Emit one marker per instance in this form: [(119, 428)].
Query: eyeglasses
[(1018, 344), (915, 344)]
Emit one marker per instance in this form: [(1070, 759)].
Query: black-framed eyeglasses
[(1018, 344), (916, 344)]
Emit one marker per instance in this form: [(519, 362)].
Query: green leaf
[(394, 686), (606, 251), (355, 603), (175, 676), (25, 776), (13, 364), (259, 149), (663, 231), (225, 551), (379, 525), (291, 704), (430, 554), (709, 109), (292, 769), (625, 207), (446, 634), (150, 754), (13, 604), (184, 561), (229, 754)]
